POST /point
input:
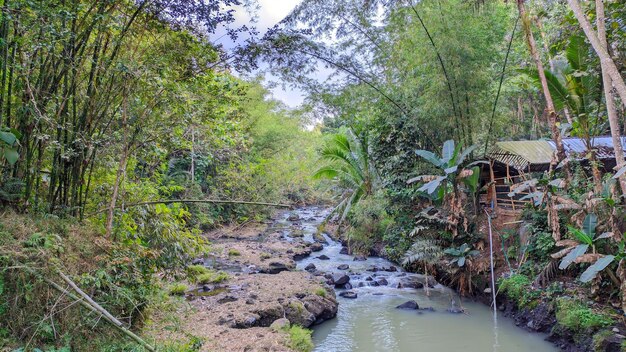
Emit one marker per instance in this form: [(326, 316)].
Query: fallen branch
[(170, 201)]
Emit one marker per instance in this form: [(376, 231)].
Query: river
[(372, 323)]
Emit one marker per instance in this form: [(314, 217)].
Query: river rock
[(319, 238), (246, 321), (408, 305), (343, 267), (359, 258), (373, 283), (280, 324), (316, 247), (341, 279), (226, 299), (275, 268), (310, 267), (293, 217), (198, 261), (323, 308), (348, 294), (382, 281), (372, 269), (369, 278), (344, 250), (297, 313), (391, 269), (323, 257)]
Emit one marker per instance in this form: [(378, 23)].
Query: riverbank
[(263, 296)]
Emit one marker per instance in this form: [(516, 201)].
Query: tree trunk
[(608, 97), (120, 171), (552, 116), (607, 63)]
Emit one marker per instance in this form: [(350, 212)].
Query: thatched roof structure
[(533, 156)]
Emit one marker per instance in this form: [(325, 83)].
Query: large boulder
[(297, 314), (280, 324), (341, 279), (310, 267), (324, 308)]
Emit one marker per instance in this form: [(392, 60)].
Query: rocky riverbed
[(284, 272)]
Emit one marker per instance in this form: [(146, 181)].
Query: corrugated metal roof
[(536, 155)]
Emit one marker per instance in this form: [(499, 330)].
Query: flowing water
[(372, 323)]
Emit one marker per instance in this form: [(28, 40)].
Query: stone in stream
[(348, 294), (344, 250), (373, 283), (369, 278), (341, 279), (310, 267), (382, 281), (408, 305), (372, 269), (323, 257), (293, 217), (391, 269), (359, 258), (343, 267), (316, 247)]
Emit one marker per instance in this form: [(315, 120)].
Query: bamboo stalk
[(170, 201), (92, 308)]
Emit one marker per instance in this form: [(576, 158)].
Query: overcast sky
[(270, 13)]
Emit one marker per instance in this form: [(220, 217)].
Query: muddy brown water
[(371, 323)]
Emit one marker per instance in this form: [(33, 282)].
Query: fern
[(423, 250)]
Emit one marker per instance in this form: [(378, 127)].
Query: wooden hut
[(514, 162)]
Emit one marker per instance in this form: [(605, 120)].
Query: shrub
[(300, 339), (576, 316), (233, 253), (177, 289), (265, 256), (517, 287), (369, 222)]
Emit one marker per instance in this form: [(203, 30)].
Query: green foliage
[(212, 277), (348, 161), (518, 288), (177, 289), (461, 254), (233, 253), (321, 292), (300, 339), (577, 316), (369, 221), (423, 250), (195, 271)]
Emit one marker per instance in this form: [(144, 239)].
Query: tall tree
[(551, 112), (608, 97)]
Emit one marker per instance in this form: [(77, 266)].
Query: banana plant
[(461, 254), (9, 144), (450, 162), (585, 239)]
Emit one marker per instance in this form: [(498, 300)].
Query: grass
[(577, 316), (300, 339), (265, 256), (212, 277), (320, 292), (177, 289), (233, 253)]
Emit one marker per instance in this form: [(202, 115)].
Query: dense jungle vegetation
[(127, 133)]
